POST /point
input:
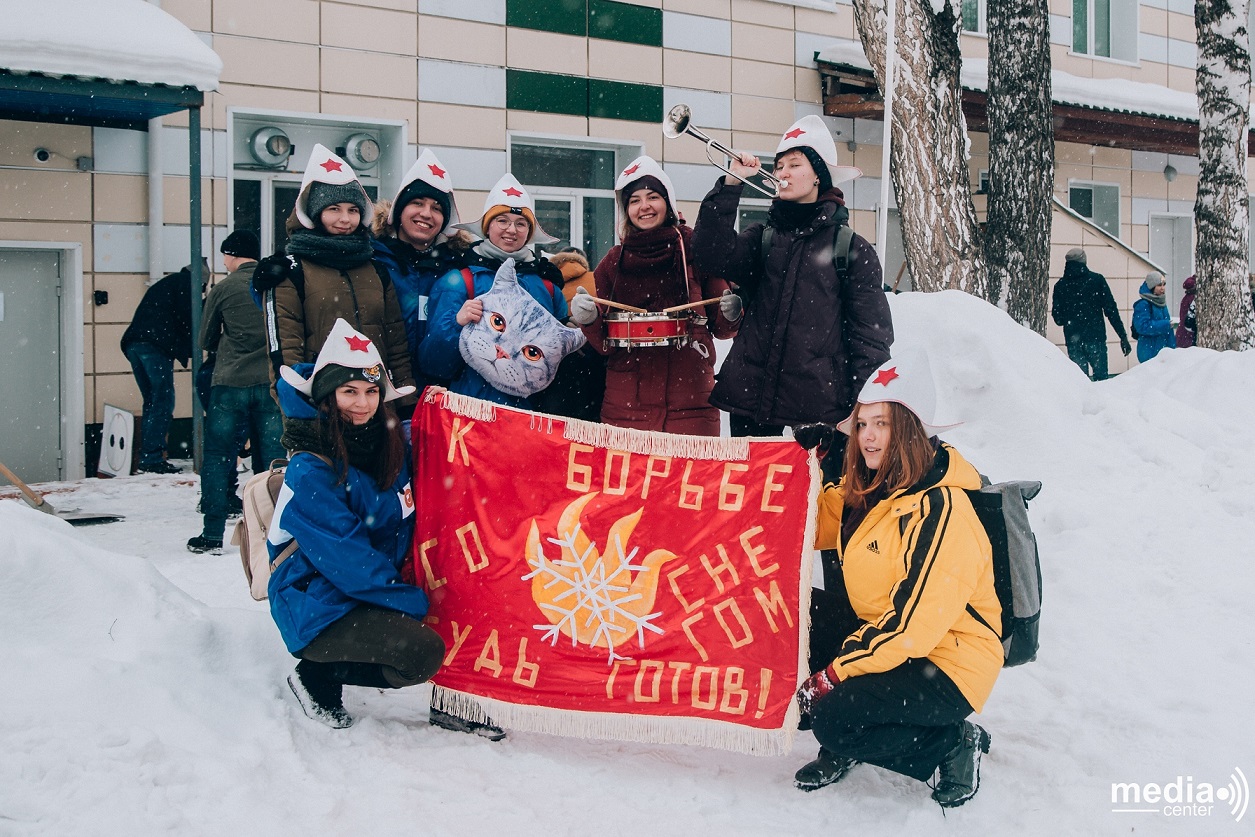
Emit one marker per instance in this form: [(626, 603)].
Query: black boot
[(369, 675), (319, 694), (825, 770), (958, 776)]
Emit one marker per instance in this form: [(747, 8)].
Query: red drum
[(628, 330)]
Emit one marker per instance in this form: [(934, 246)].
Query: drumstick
[(619, 305), (675, 308)]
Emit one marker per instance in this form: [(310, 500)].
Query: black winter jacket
[(164, 318), (807, 343), (1081, 298)]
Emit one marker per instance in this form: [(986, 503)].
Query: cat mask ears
[(347, 347)]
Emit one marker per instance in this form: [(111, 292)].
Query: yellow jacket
[(912, 567)]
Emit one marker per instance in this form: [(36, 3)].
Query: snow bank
[(136, 704)]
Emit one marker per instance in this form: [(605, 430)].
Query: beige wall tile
[(400, 109), (118, 390), (264, 98), (1139, 238), (461, 40), (547, 52), (14, 230), (689, 150), (120, 198), (762, 43), (820, 22), (806, 85), (365, 28), (456, 125), (974, 46), (547, 123), (470, 204), (1154, 21), (1152, 72), (756, 78), (651, 4), (864, 223), (708, 8), (1184, 188), (1181, 78), (867, 158), (625, 62), (1180, 26), (763, 13), (18, 141), (689, 210), (288, 20), (1117, 158), (759, 113), (33, 195), (1148, 184), (649, 134), (1070, 152), (267, 63), (194, 14), (1112, 69), (108, 348), (1062, 59), (979, 142), (692, 69), (89, 355), (219, 203), (177, 201), (398, 5), (125, 292), (369, 74), (757, 142)]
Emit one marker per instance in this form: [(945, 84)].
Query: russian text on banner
[(611, 583)]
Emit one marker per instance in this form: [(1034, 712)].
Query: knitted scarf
[(790, 216), (650, 270), (489, 250), (363, 442), (1154, 299), (339, 252)]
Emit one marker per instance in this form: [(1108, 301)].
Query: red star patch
[(514, 193), (631, 169), (794, 134), (436, 170), (332, 165), (884, 376), (358, 344)]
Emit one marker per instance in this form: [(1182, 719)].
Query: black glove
[(815, 436), (1124, 346), (271, 271)]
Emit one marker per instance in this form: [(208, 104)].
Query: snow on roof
[(1065, 88), (119, 40)]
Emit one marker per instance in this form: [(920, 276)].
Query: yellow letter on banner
[(531, 669), (773, 487), (655, 687), (687, 625), (457, 642), (650, 472), (747, 635), (752, 552), (456, 442), (690, 495), (490, 655), (471, 562), (578, 477), (625, 458), (713, 673), (731, 494), (732, 680), (432, 581), (771, 603), (688, 606)]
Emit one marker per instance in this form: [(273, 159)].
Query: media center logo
[(1183, 797)]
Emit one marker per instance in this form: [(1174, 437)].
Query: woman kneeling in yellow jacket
[(917, 654)]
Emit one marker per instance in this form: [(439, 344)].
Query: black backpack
[(1003, 511), (840, 247)]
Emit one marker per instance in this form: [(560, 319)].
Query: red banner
[(604, 582)]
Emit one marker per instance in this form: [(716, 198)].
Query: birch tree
[(928, 162), (1021, 160)]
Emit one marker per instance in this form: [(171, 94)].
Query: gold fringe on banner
[(653, 443), (463, 405)]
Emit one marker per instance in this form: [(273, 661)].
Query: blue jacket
[(1154, 328), (413, 275), (439, 355), (353, 539)]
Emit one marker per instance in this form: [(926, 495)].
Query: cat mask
[(517, 345)]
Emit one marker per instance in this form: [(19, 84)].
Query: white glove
[(583, 309), (730, 306)]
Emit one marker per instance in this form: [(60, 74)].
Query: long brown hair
[(907, 458), (389, 459)]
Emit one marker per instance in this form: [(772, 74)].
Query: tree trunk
[(1021, 160), (1223, 303), (928, 164)]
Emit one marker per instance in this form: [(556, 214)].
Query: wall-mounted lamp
[(361, 150), (852, 145), (1169, 173), (270, 146)]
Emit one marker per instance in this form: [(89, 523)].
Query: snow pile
[(119, 40), (136, 704)]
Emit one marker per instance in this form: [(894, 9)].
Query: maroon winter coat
[(807, 343), (1186, 327), (659, 387)]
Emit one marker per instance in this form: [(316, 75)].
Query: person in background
[(1187, 327), (327, 274), (917, 648), (416, 243), (580, 385), (342, 530), (1152, 324), (1081, 299), (240, 404), (659, 388), (159, 334)]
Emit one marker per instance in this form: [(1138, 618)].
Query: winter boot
[(200, 543), (320, 697), (368, 675), (958, 776), (455, 724), (827, 769), (161, 467)]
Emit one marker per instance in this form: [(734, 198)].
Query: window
[(1106, 28), (973, 14), (271, 198), (1098, 202)]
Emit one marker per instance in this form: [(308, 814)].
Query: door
[(30, 377), (1172, 248)]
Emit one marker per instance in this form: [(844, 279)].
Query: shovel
[(73, 516)]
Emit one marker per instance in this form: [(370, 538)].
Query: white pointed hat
[(349, 348), (427, 169), (645, 166), (326, 167), (510, 193), (813, 132), (906, 378)]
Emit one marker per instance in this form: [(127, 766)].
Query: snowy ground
[(143, 688)]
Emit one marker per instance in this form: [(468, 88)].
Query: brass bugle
[(676, 124)]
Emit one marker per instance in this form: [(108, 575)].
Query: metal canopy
[(34, 97)]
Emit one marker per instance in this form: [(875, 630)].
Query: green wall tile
[(623, 100), (568, 17), (547, 92), (624, 22)]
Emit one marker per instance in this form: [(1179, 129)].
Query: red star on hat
[(331, 165), (631, 169), (514, 193), (358, 344), (884, 376), (436, 170), (794, 134)]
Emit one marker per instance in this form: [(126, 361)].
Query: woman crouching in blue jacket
[(341, 532)]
